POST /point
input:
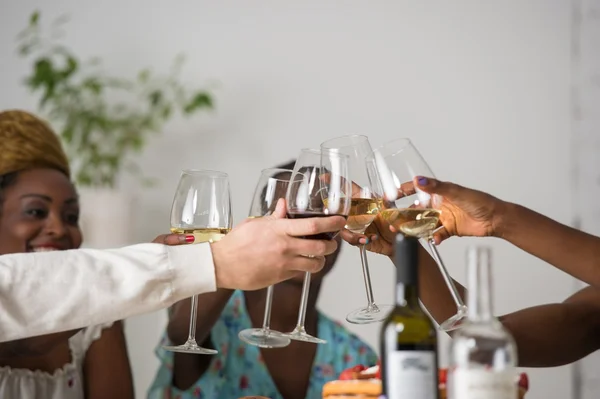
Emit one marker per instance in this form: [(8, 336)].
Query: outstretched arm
[(572, 251)]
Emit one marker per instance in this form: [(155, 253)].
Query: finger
[(312, 226), (174, 239), (356, 239), (305, 264), (357, 190), (406, 189), (280, 209), (302, 246), (350, 237), (440, 235), (434, 186)]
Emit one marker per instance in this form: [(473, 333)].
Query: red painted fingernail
[(190, 238)]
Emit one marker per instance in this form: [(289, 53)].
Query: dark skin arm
[(570, 250), (467, 212), (546, 335), (106, 369), (559, 333), (35, 346), (188, 368)]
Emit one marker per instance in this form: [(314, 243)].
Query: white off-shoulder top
[(64, 383)]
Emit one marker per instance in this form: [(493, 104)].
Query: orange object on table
[(363, 382)]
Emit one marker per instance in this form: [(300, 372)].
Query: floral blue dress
[(239, 370)]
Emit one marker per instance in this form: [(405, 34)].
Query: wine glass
[(272, 185), (411, 211), (363, 210), (201, 207), (319, 187)]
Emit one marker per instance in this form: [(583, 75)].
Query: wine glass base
[(190, 347), (455, 321), (263, 338), (370, 314), (304, 337)]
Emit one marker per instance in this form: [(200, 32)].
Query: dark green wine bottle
[(408, 336)]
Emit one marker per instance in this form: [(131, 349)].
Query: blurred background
[(499, 96)]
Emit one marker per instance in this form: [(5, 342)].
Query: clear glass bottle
[(483, 354)]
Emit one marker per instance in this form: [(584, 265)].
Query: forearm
[(44, 293), (553, 335), (573, 251), (35, 346)]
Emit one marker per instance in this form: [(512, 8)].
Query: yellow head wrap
[(27, 142)]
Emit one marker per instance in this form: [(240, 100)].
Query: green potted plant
[(102, 120)]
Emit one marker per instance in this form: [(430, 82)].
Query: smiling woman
[(39, 211)]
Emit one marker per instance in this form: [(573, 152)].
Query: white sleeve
[(42, 293)]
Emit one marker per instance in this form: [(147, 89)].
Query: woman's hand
[(378, 238), (465, 212)]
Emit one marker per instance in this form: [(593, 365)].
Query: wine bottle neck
[(479, 297), (407, 295), (406, 260)]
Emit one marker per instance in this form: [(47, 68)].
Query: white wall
[(586, 144), (482, 88)]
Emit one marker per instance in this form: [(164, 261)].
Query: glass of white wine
[(363, 210), (272, 185), (202, 208), (409, 210)]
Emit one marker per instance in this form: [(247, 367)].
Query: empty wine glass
[(363, 210), (272, 185), (319, 187), (202, 208), (412, 212)]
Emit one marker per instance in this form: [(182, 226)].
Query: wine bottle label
[(411, 374), (482, 384)]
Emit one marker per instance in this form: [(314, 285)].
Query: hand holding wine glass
[(464, 211), (263, 251), (380, 236)]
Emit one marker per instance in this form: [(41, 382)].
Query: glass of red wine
[(319, 187)]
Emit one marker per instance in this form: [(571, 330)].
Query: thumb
[(280, 210), (434, 186)]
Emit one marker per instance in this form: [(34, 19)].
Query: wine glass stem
[(449, 282), (194, 313), (303, 301), (269, 301), (366, 274)]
